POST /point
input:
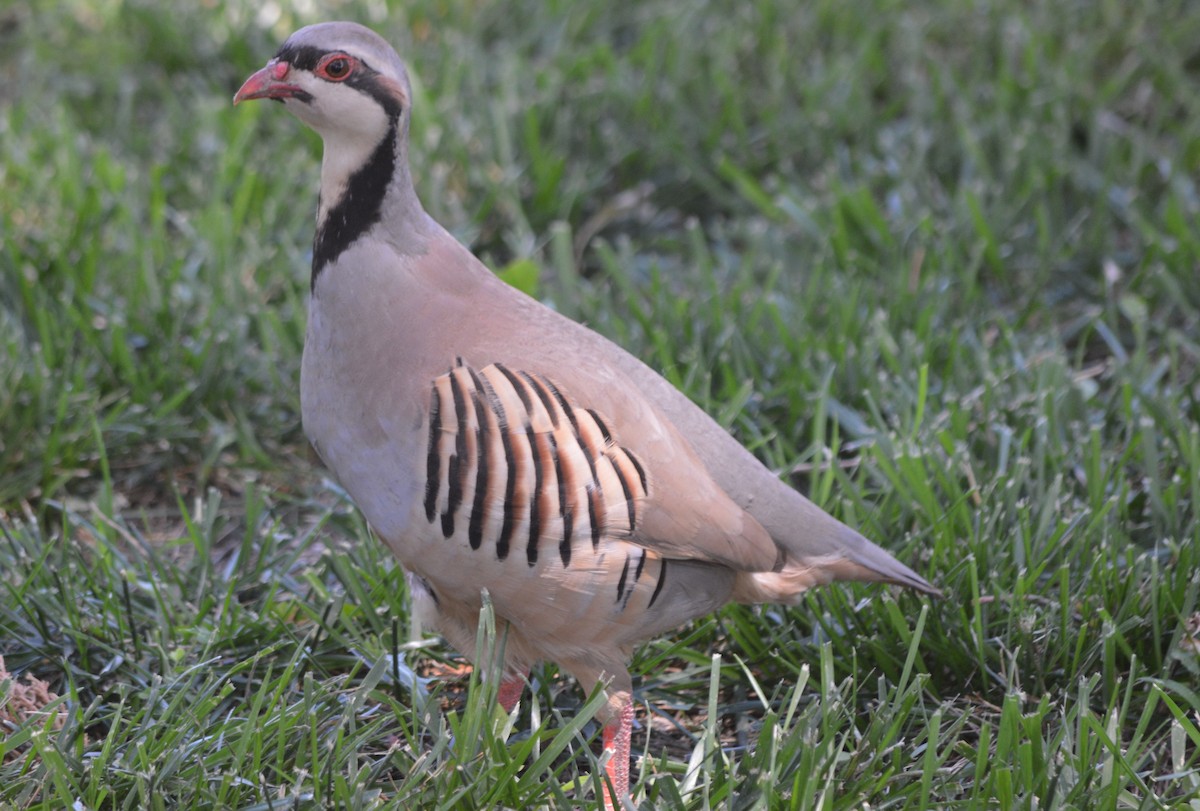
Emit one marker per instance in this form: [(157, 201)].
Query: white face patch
[(337, 109), (351, 124)]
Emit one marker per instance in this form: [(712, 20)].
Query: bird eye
[(335, 68)]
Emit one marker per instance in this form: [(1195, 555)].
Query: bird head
[(347, 83), (339, 78)]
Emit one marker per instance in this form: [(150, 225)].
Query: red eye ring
[(336, 67)]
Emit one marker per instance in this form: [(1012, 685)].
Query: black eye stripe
[(307, 57), (303, 57)]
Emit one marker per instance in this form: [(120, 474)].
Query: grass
[(936, 262)]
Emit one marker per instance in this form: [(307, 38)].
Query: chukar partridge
[(494, 444)]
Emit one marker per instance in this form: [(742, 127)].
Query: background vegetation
[(938, 262)]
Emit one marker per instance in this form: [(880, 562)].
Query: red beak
[(269, 83)]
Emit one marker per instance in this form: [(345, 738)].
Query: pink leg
[(617, 736), (510, 691)]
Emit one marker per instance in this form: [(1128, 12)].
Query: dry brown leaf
[(22, 702)]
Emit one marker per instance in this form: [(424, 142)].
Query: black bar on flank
[(662, 578), (434, 459)]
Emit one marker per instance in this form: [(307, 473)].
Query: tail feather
[(855, 559)]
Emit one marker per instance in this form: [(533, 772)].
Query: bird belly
[(606, 600)]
